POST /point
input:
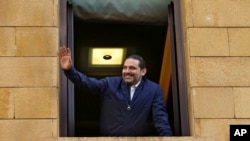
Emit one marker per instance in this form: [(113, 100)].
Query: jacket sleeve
[(160, 115), (80, 79)]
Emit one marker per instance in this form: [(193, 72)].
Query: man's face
[(131, 71)]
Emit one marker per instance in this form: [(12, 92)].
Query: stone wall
[(218, 54), (217, 47), (29, 70)]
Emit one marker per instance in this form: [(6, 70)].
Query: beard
[(130, 79)]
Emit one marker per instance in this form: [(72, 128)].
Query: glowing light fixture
[(107, 56)]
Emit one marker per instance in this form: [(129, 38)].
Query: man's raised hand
[(65, 60)]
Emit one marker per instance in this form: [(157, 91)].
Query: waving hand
[(65, 60)]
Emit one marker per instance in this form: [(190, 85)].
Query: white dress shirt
[(132, 89)]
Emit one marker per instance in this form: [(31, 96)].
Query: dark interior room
[(143, 39)]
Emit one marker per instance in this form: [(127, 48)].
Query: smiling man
[(129, 103), (133, 70)]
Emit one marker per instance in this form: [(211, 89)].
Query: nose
[(126, 70)]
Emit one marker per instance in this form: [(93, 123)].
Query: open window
[(156, 38)]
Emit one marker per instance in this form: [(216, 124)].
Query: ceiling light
[(107, 56)]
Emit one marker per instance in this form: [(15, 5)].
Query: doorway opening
[(145, 40), (79, 110)]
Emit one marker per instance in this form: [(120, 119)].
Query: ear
[(144, 71)]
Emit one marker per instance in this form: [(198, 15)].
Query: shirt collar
[(136, 85)]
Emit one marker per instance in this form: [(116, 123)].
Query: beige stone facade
[(217, 50), (29, 66)]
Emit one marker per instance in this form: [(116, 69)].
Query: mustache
[(128, 74)]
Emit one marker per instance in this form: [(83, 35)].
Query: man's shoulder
[(151, 84)]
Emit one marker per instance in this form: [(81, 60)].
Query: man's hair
[(142, 63)]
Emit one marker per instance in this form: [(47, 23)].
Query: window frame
[(179, 81)]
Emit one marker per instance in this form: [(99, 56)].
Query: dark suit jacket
[(121, 116)]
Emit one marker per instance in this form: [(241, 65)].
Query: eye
[(132, 68)]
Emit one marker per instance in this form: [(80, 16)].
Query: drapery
[(125, 11), (165, 77)]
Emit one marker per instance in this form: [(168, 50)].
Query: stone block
[(69, 139), (7, 41), (6, 103), (51, 139), (56, 13), (208, 42), (25, 130), (239, 42), (188, 12), (213, 102), (219, 128), (27, 13), (221, 13), (196, 127), (219, 71), (55, 127), (36, 103), (37, 41), (242, 104), (28, 71)]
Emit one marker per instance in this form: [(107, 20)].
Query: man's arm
[(160, 115), (75, 76)]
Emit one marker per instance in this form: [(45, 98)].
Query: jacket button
[(128, 108)]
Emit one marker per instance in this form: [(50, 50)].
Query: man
[(129, 103)]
